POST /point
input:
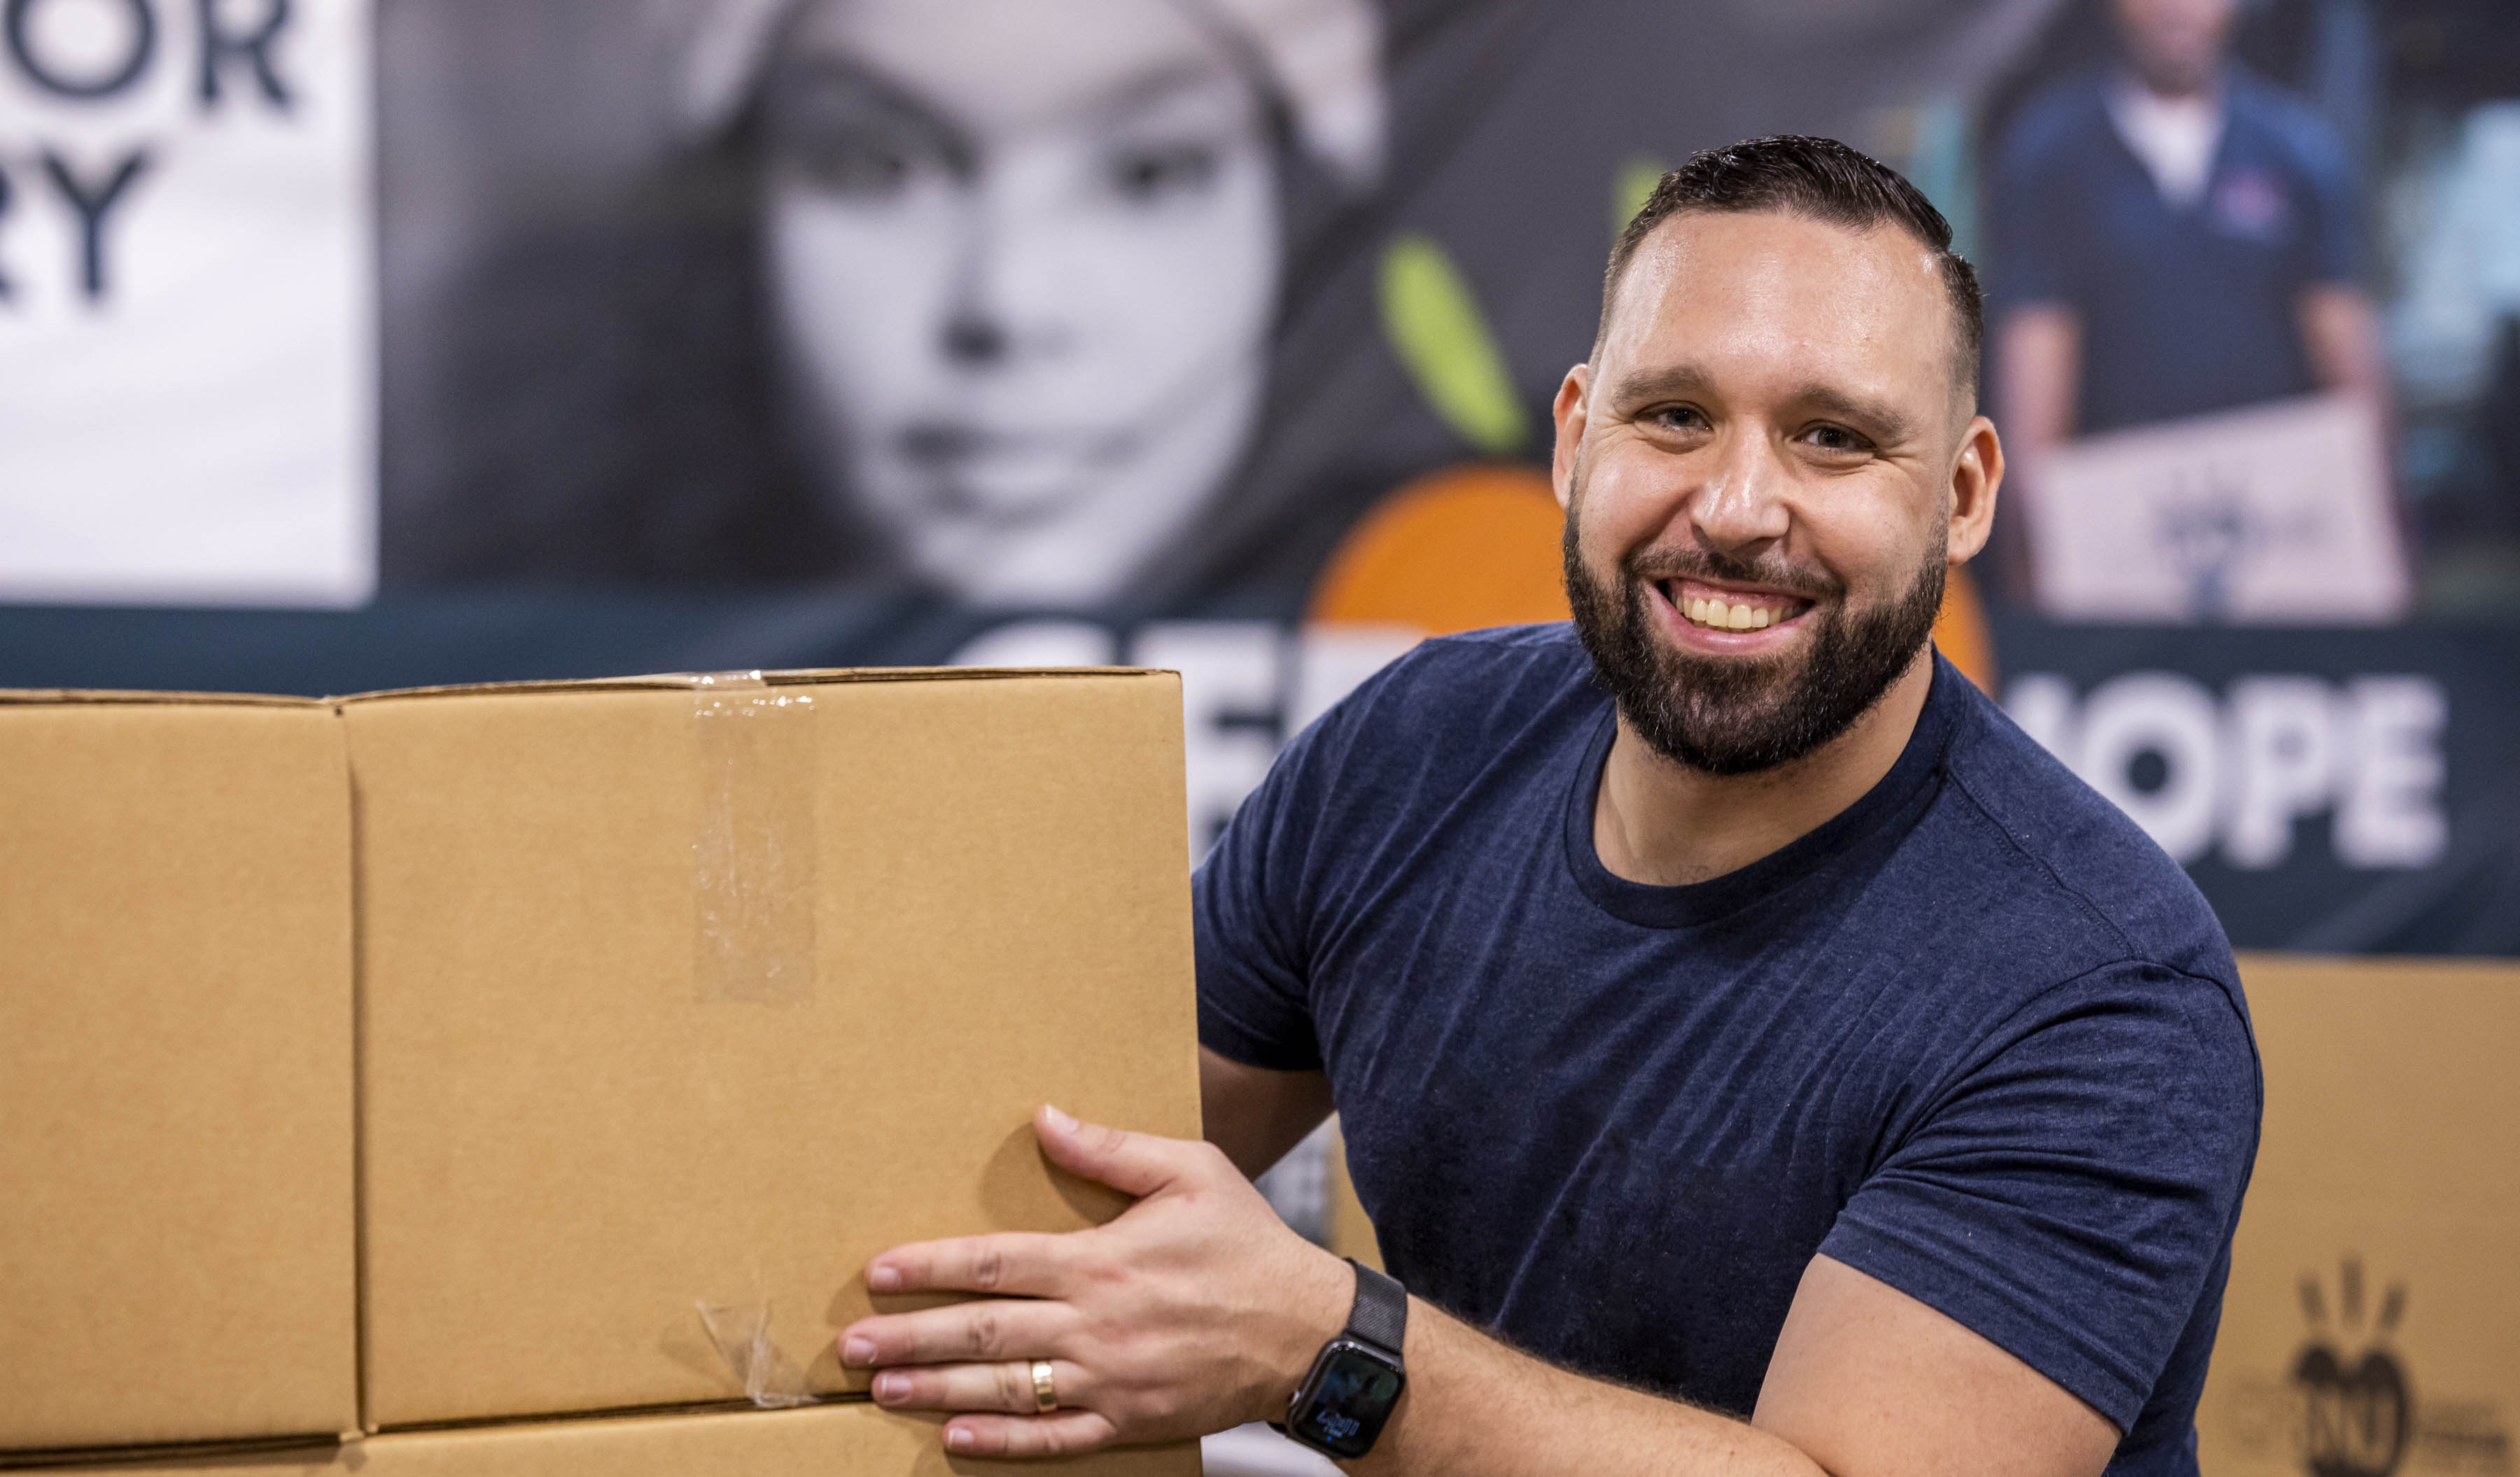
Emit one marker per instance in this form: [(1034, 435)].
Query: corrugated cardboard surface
[(570, 1139), (830, 1441), (176, 1240), (2373, 1323)]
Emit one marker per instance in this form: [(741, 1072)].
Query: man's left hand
[(1195, 1310)]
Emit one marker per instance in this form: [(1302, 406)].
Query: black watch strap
[(1380, 1313)]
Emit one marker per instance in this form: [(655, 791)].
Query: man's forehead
[(1785, 289)]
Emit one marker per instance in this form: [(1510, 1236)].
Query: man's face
[(1758, 472), (2177, 45)]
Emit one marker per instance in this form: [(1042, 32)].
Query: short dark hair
[(1819, 179)]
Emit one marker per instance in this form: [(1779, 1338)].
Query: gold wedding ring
[(1045, 1395)]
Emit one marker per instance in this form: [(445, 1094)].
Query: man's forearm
[(2342, 335), (1475, 1407), (2041, 364)]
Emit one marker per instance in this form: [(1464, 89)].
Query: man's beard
[(1736, 715)]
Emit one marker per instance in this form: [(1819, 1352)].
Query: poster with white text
[(186, 286)]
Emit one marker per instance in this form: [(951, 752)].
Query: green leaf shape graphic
[(1434, 326), (1631, 187)]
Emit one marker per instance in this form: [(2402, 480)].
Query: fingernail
[(958, 1439), (890, 1386), (883, 1279), (1059, 1121), (858, 1351)]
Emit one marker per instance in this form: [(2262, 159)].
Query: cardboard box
[(2373, 1323), (826, 1441), (176, 1237), (674, 997)]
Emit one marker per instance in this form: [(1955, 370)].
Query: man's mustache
[(1652, 564)]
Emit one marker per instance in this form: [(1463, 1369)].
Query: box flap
[(789, 677), (825, 1441), (45, 697)]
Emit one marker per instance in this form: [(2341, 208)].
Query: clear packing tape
[(741, 1332), (753, 859), (754, 888)]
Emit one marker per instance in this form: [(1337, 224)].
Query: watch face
[(1351, 1395)]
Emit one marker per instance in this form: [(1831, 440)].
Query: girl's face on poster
[(1024, 258)]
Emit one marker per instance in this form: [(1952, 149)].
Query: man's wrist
[(1320, 1310)]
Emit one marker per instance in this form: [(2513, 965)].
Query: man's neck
[(2201, 88), (1665, 823)]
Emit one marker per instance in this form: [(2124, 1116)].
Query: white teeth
[(1719, 615)]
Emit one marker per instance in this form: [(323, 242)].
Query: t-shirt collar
[(1696, 903)]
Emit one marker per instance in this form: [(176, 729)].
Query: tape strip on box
[(753, 859), (753, 941)]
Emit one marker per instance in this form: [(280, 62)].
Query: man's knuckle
[(1014, 1387), (988, 1269), (983, 1333)]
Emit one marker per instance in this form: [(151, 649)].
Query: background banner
[(553, 339)]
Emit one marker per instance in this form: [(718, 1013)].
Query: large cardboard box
[(2373, 1323), (823, 1441), (176, 1237), (678, 995)]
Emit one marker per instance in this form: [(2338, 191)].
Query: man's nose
[(1740, 506)]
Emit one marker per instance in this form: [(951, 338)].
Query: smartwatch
[(1356, 1380)]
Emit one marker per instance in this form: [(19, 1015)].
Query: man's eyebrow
[(1875, 418), (1655, 383), (1882, 422)]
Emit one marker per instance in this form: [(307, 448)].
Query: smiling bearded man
[(1756, 1053), (1740, 715)]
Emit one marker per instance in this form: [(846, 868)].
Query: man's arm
[(2041, 350), (1197, 1310), (1254, 1114), (2039, 359), (2342, 336), (1866, 1382)]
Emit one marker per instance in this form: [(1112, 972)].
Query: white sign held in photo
[(2274, 513)]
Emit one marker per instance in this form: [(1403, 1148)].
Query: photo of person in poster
[(2174, 236), (973, 296)]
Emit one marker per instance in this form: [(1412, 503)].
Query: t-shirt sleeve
[(2032, 217), (2335, 236), (1248, 916), (2070, 1194)]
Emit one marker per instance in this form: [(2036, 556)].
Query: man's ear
[(1977, 473), (1569, 413)]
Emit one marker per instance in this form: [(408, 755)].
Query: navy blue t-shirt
[(2186, 310), (1976, 1037)]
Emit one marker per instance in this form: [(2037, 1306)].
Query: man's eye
[(1678, 418), (1836, 438), (1151, 173)]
